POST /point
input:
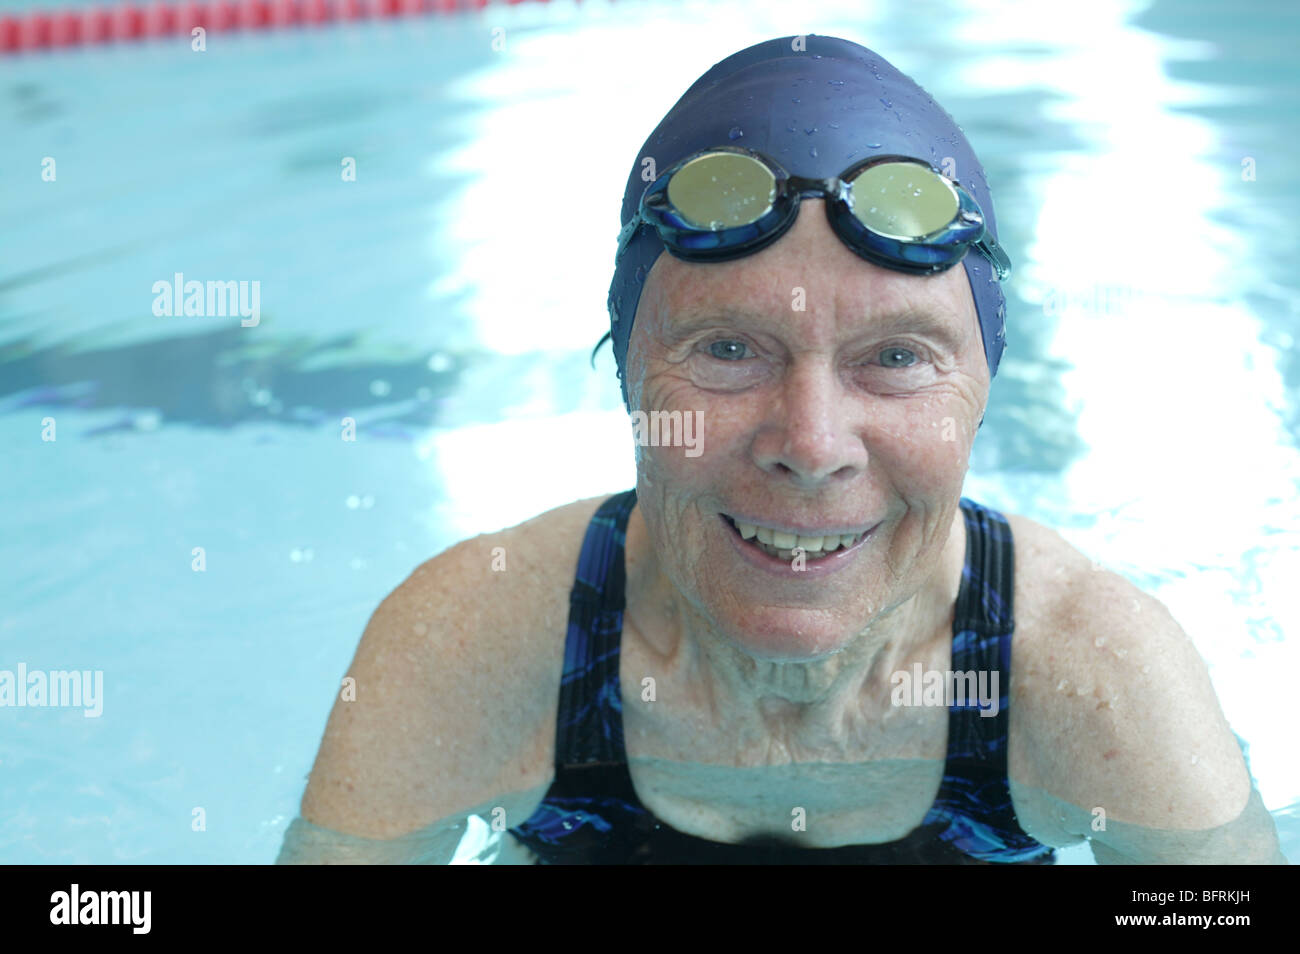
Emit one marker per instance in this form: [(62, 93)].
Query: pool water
[(1148, 404)]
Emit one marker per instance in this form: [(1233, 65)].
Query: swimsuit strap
[(974, 800), (589, 728), (591, 814)]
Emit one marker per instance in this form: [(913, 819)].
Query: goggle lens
[(722, 191), (903, 200)]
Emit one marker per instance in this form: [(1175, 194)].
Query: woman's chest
[(871, 777)]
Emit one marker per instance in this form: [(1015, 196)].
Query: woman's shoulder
[(1112, 694), (472, 641), (514, 580)]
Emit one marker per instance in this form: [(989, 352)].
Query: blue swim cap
[(816, 104)]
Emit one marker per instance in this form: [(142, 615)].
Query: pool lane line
[(127, 21)]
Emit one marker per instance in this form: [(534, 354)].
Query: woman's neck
[(806, 695)]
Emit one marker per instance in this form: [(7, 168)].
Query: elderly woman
[(795, 640)]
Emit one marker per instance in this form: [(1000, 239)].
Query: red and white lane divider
[(44, 29)]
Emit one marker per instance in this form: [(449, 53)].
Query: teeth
[(781, 544)]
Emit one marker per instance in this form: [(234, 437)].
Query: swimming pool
[(1147, 405)]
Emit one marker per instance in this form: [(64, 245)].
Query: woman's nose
[(811, 436)]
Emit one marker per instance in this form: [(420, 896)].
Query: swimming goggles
[(896, 211)]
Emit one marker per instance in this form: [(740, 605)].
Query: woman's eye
[(897, 358), (727, 350)]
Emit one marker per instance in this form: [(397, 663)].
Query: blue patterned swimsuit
[(591, 814)]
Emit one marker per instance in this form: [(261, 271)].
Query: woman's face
[(828, 396)]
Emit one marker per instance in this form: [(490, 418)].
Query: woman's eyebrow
[(692, 317), (925, 322)]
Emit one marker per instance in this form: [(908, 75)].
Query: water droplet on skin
[(1063, 685), (734, 133), (1099, 641), (1195, 759)]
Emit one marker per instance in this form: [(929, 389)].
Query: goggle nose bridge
[(833, 188)]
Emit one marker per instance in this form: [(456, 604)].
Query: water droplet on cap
[(734, 133)]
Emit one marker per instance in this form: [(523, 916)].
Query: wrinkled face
[(828, 408)]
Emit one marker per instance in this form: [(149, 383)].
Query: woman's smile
[(774, 550)]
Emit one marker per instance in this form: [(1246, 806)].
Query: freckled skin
[(812, 430)]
